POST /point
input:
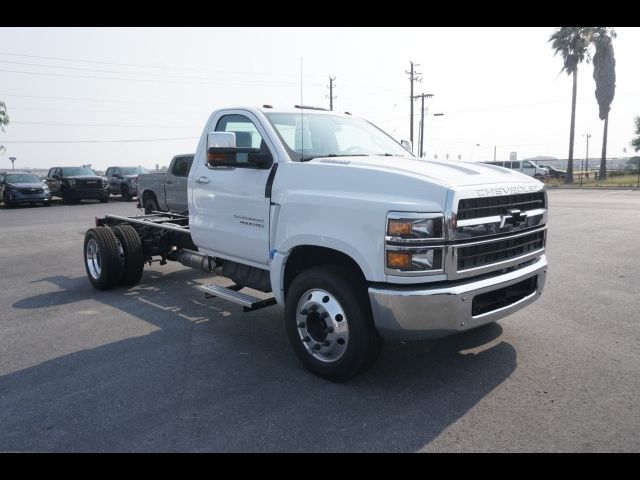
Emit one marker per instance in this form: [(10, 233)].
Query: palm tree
[(4, 120), (573, 44), (604, 73), (635, 143)]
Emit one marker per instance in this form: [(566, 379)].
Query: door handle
[(202, 180)]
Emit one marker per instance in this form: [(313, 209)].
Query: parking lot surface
[(156, 367)]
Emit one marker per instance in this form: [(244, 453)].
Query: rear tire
[(103, 258), (133, 254), (150, 205), (327, 305)]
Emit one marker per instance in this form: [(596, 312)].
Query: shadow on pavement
[(212, 378)]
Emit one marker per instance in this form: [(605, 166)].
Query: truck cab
[(358, 239)]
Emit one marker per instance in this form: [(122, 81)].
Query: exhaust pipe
[(192, 259)]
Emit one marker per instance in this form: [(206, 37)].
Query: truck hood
[(26, 185), (450, 174)]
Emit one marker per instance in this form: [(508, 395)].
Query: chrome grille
[(31, 191), (499, 205), (498, 250)]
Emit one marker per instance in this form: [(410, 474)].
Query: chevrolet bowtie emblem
[(513, 217)]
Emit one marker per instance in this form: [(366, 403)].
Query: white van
[(524, 166)]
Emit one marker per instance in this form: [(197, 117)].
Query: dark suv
[(23, 187), (76, 183), (124, 181)]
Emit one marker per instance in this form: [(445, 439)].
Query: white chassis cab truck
[(357, 238)]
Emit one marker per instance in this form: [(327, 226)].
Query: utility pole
[(421, 138), (494, 152), (413, 77), (331, 97)]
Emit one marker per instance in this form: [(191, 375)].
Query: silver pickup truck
[(166, 192)]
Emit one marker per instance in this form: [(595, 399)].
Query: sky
[(139, 96)]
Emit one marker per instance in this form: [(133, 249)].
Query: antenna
[(301, 116)]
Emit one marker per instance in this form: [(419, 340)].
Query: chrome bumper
[(408, 313)]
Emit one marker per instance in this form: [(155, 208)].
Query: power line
[(103, 125), (102, 141), (98, 100), (153, 66), (154, 80), (154, 75)]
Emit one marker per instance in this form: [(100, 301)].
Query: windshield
[(77, 171), (132, 170), (22, 178), (311, 135)]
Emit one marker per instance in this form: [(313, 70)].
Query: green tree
[(4, 120), (573, 44), (635, 143), (604, 73)]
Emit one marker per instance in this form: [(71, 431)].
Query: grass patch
[(614, 181)]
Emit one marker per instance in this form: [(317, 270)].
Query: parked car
[(124, 181), (554, 172), (23, 188), (76, 183), (523, 166), (166, 192)]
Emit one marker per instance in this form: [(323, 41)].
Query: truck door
[(231, 209), (175, 185), (54, 183)]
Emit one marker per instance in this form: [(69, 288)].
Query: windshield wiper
[(334, 155)]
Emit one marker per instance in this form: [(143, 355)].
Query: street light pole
[(13, 159), (586, 165)]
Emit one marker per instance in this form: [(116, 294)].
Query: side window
[(108, 172), (51, 172), (181, 166), (247, 135)]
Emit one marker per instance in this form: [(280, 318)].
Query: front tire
[(126, 195), (133, 254), (150, 205), (103, 258), (329, 322)]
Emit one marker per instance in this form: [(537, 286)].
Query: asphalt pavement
[(156, 367)]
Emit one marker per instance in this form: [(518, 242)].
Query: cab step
[(249, 303)]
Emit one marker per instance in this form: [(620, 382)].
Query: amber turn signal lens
[(399, 228), (213, 158), (398, 259)]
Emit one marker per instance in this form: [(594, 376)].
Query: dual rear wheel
[(113, 256)]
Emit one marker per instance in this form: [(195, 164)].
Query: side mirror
[(407, 145), (222, 152)]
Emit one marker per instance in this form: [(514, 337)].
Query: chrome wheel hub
[(94, 260), (322, 325)]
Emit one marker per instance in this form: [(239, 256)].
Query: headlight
[(414, 227), (414, 243), (72, 183)]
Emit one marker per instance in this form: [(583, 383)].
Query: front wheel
[(150, 205), (329, 322)]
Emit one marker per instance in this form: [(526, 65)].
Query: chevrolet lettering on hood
[(489, 192)]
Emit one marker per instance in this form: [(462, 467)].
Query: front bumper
[(411, 313), (19, 197), (89, 193)]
